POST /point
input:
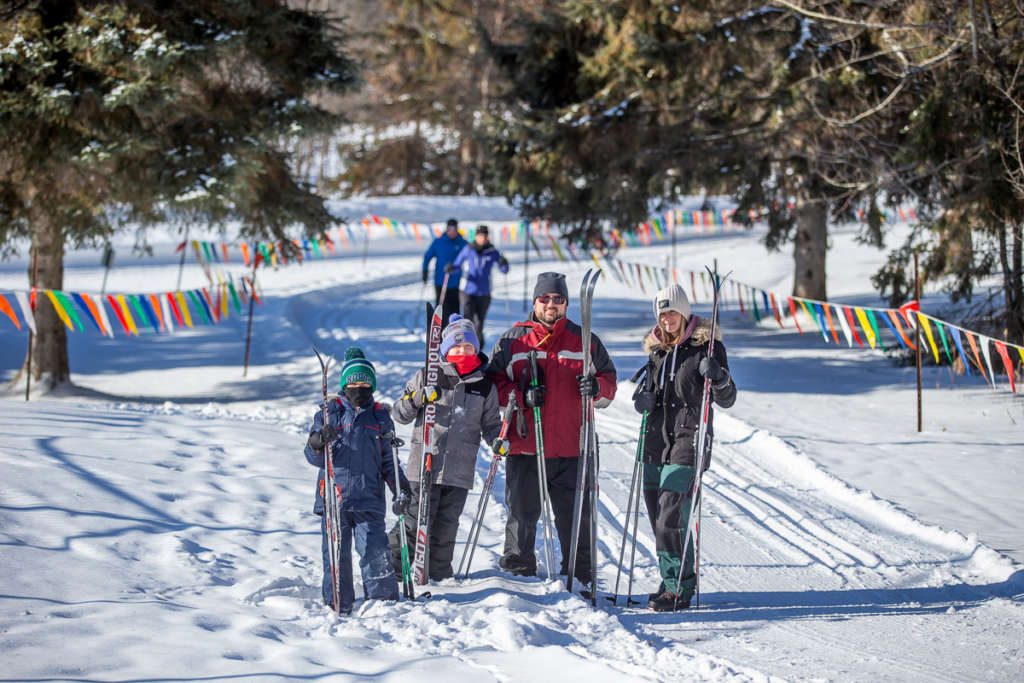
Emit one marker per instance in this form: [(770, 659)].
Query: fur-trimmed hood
[(700, 334)]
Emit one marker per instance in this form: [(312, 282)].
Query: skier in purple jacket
[(475, 261)]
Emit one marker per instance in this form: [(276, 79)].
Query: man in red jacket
[(559, 346)]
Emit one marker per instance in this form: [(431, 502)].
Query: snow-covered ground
[(156, 524)]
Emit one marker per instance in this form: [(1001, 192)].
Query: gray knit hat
[(672, 298), (550, 283)]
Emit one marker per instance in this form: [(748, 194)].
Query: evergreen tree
[(122, 112), (432, 86), (624, 102)]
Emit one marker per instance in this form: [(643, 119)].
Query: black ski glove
[(645, 401), (400, 505), (503, 262), (533, 397), (449, 268), (589, 386), (426, 276), (713, 370), (318, 439)]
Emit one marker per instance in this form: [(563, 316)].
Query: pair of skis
[(587, 470), (431, 375), (332, 501)]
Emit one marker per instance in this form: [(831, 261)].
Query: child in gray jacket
[(466, 409)]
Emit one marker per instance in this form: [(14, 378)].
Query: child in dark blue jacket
[(359, 432)]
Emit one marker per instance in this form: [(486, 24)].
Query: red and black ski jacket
[(560, 362)]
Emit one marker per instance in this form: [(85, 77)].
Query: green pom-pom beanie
[(357, 369)]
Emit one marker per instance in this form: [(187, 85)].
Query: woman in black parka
[(671, 394)]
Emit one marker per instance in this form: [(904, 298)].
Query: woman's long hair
[(669, 339)]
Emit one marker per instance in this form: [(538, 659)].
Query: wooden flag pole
[(252, 303), (32, 306)]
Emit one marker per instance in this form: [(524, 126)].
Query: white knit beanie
[(672, 298)]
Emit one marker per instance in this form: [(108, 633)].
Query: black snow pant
[(474, 307), (445, 505), (522, 496), (667, 490), (451, 302)]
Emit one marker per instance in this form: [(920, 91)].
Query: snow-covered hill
[(155, 520)]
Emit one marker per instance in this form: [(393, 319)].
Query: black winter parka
[(672, 426)]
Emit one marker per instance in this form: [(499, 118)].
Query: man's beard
[(543, 317)]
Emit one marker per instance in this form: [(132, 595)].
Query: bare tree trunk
[(50, 349), (809, 248), (1013, 288)]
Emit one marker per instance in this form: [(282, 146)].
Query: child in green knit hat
[(358, 437)]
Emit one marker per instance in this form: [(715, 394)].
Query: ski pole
[(474, 531), (629, 509), (635, 491), (632, 552), (408, 590)]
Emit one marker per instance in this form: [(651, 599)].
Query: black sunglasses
[(556, 299)]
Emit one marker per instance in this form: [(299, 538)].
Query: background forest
[(588, 113)]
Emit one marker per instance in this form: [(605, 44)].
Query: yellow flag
[(127, 314), (865, 325), (60, 309), (184, 308), (928, 333)]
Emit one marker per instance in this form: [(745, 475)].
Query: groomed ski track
[(789, 553)]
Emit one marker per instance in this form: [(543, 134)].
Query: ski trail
[(788, 555)]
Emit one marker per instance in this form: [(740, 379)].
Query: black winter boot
[(666, 602)]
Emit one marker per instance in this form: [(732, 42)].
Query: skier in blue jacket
[(444, 249), (359, 432), (476, 261)]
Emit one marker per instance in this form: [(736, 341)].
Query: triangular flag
[(6, 309), (84, 306), (865, 326), (988, 358), (61, 313), (974, 348), (183, 306), (792, 312), (923, 323), (955, 333), (831, 326), (942, 336), (844, 324), (165, 313), (26, 310), (1007, 363), (97, 302)]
